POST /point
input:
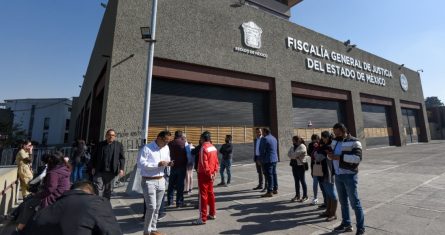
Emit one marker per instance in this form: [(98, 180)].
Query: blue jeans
[(347, 189), (77, 173), (317, 181), (330, 191), (226, 164), (270, 171), (176, 181), (299, 177)]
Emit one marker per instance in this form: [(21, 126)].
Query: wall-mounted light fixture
[(347, 42), (419, 70), (104, 5), (309, 124), (146, 34), (401, 66)]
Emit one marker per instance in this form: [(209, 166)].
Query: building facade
[(45, 121), (229, 67)]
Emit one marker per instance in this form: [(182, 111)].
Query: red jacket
[(208, 159)]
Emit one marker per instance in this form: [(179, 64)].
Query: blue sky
[(45, 45)]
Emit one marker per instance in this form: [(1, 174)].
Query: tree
[(433, 101)]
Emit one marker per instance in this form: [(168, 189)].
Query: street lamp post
[(151, 39)]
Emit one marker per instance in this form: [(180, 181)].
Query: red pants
[(206, 196)]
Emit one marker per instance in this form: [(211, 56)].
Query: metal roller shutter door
[(377, 125), (193, 108), (321, 114)]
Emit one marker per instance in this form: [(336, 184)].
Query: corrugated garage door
[(194, 108), (377, 125), (411, 128), (312, 116)]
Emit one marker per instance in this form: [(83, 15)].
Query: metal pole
[(149, 73)]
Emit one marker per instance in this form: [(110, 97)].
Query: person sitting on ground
[(55, 183), (77, 211)]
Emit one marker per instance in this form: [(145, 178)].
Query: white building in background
[(45, 121)]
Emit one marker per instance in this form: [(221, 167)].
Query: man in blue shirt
[(269, 159), (346, 156)]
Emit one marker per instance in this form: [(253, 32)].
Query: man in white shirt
[(153, 158)]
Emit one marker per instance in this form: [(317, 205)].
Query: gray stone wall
[(205, 32)]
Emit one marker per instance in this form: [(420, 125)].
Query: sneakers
[(198, 222), (211, 217), (303, 199), (221, 184), (343, 228), (360, 231), (314, 201)]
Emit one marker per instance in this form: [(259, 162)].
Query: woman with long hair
[(24, 170), (55, 183), (328, 178), (297, 154), (79, 160)]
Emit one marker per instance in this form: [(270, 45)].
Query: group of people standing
[(63, 202), (334, 166), (156, 157)]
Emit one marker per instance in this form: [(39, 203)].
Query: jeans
[(299, 176), (330, 190), (318, 181), (347, 189), (153, 192), (270, 171), (77, 173), (176, 180), (226, 164)]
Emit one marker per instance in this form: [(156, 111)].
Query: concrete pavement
[(402, 191)]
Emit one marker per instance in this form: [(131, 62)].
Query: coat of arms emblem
[(252, 35)]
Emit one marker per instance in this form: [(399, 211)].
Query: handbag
[(306, 166), (317, 170)]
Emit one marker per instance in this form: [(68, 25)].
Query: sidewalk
[(401, 190)]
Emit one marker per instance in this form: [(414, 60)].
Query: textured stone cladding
[(205, 32)]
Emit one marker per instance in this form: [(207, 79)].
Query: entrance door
[(411, 127)]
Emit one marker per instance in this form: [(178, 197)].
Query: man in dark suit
[(269, 159), (256, 159), (77, 211), (108, 161)]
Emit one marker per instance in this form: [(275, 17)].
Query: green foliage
[(433, 101)]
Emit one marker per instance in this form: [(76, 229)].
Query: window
[(46, 124), (65, 138), (67, 124), (45, 138)]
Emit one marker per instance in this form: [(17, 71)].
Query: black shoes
[(258, 187), (343, 228), (360, 231)]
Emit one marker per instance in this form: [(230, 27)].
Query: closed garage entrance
[(377, 125), (196, 107), (316, 109)]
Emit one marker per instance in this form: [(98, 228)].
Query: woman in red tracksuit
[(207, 168)]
